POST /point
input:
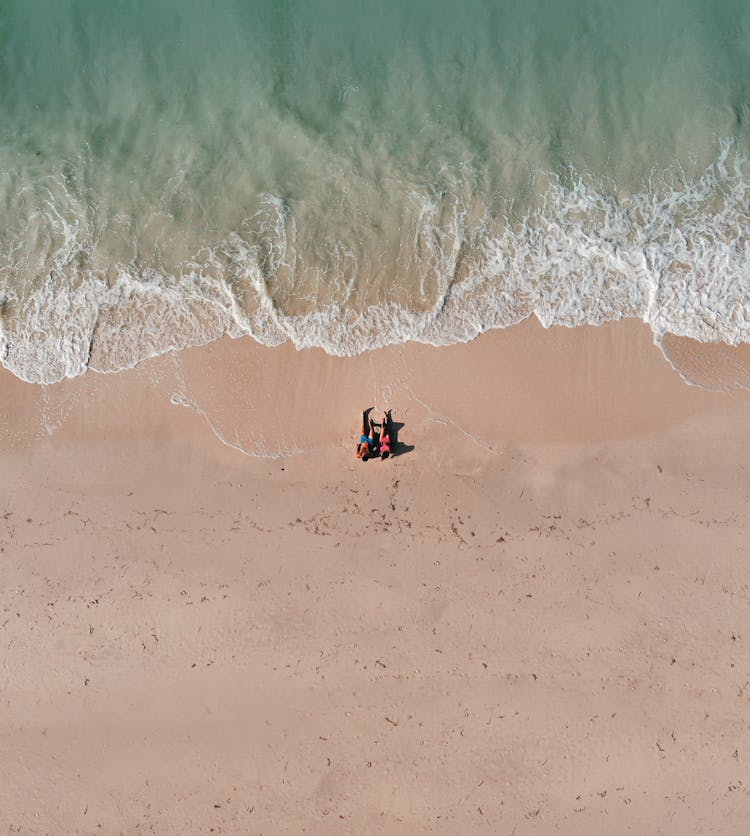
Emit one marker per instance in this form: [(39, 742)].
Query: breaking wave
[(675, 254)]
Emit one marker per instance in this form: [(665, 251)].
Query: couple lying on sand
[(367, 445)]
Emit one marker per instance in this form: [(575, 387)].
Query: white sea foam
[(676, 254)]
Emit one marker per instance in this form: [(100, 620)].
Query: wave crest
[(675, 254)]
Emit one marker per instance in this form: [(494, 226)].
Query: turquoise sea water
[(349, 174)]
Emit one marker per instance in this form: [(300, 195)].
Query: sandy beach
[(535, 619)]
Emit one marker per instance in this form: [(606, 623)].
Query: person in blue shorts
[(366, 444)]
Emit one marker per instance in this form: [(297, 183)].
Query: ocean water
[(349, 175)]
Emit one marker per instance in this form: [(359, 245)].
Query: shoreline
[(524, 384), (532, 620)]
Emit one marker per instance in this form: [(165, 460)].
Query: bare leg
[(366, 420)]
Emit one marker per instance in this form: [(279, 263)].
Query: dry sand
[(535, 620)]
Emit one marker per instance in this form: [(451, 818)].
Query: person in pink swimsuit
[(385, 435)]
